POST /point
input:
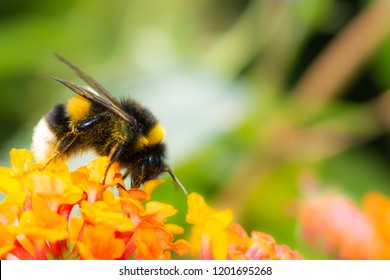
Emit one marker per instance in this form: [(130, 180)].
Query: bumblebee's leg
[(114, 155), (65, 143), (89, 123), (69, 138)]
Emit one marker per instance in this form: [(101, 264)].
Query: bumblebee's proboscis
[(123, 130)]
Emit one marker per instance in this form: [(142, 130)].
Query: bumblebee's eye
[(153, 160)]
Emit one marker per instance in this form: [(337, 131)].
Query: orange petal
[(160, 211), (55, 190), (100, 244), (262, 248), (75, 225), (174, 229), (150, 186), (111, 200), (42, 229), (6, 240), (99, 213), (238, 236), (181, 247), (41, 223), (283, 252), (94, 190), (97, 168)]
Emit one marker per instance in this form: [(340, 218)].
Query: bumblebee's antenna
[(176, 180)]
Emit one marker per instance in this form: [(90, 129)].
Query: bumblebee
[(123, 130)]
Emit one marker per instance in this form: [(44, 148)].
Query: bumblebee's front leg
[(69, 138), (114, 155), (64, 144)]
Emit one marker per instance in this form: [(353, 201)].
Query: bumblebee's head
[(150, 164)]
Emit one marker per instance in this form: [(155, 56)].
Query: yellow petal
[(99, 213), (9, 184), (21, 160), (55, 190), (9, 212), (198, 210), (75, 225), (220, 245), (49, 226), (6, 240), (174, 229), (160, 211)]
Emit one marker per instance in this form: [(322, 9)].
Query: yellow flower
[(209, 236), (13, 189), (214, 237), (22, 162)]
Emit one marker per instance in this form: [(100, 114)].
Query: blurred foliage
[(252, 93)]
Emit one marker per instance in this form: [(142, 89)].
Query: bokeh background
[(259, 98)]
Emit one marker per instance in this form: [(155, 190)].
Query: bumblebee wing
[(90, 81), (95, 98)]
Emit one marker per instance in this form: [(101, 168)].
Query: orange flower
[(37, 220), (99, 243), (39, 229), (90, 178), (34, 216), (41, 223), (7, 240), (214, 237), (55, 190), (100, 214), (376, 207), (153, 239)]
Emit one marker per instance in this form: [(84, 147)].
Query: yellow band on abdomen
[(78, 108)]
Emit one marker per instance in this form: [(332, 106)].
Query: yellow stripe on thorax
[(78, 108), (154, 136)]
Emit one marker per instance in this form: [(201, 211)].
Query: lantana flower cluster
[(334, 223), (58, 214)]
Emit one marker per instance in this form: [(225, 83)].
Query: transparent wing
[(94, 98), (102, 96), (89, 80)]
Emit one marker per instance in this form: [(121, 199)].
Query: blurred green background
[(253, 94)]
